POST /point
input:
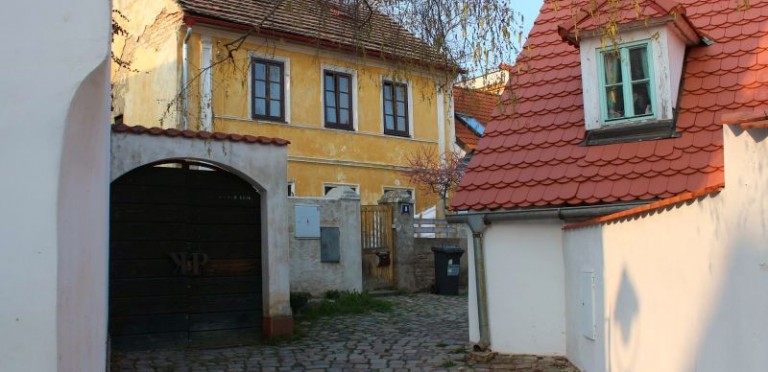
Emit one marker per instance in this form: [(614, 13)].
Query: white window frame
[(384, 190), (354, 187), (626, 83), (667, 52), (286, 84), (353, 85), (291, 189), (410, 108)]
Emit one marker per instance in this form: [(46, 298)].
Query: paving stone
[(424, 332)]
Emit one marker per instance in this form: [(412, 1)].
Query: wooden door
[(378, 246)]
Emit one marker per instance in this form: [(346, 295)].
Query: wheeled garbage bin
[(447, 268)]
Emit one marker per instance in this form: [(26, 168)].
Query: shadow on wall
[(627, 306), (735, 337)]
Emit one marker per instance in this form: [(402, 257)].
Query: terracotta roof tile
[(543, 130), (218, 136)]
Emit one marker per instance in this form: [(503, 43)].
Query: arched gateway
[(195, 245)]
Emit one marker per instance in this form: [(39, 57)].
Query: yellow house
[(353, 92)]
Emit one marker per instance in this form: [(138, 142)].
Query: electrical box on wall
[(587, 299), (307, 221)]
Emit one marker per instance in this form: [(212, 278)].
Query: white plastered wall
[(54, 89), (584, 254), (524, 276), (685, 287)]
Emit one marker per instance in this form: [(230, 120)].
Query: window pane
[(614, 98), (389, 123), (400, 91), (641, 99), (638, 61), (330, 115), (274, 73), (260, 89), (329, 82), (388, 108), (330, 99), (274, 90), (260, 71), (344, 84), (344, 116), (612, 64), (274, 108), (401, 108), (387, 92), (260, 106), (344, 100), (401, 124)]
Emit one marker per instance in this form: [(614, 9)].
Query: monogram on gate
[(188, 263)]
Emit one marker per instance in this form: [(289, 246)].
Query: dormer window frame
[(627, 82)]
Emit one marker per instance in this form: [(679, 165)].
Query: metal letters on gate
[(188, 263)]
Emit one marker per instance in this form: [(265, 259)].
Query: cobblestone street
[(424, 332)]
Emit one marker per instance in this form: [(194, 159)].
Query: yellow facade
[(364, 158)]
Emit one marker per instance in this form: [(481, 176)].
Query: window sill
[(270, 119), (632, 132)]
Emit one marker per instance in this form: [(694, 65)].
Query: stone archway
[(259, 161)]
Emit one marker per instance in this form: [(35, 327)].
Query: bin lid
[(448, 249)]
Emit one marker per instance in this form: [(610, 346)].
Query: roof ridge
[(205, 135)]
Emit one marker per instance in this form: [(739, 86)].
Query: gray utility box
[(447, 269)]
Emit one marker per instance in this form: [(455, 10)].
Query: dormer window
[(630, 81), (626, 83)]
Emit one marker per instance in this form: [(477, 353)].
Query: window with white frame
[(327, 187), (625, 81), (396, 110), (267, 89), (409, 191), (337, 99), (291, 188)]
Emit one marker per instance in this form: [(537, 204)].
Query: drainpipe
[(478, 222), (477, 225), (185, 79)]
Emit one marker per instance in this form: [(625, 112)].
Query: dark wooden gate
[(185, 259)]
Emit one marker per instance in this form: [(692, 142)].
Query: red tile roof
[(476, 104), (530, 155), (681, 198), (216, 136), (318, 22)]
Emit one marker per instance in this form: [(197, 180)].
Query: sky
[(530, 10)]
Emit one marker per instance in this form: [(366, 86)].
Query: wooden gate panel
[(377, 246), (185, 259)]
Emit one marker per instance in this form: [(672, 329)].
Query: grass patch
[(447, 364), (458, 350), (441, 344), (338, 303)]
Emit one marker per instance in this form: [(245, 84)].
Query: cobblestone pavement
[(425, 332)]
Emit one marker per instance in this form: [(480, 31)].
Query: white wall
[(584, 254), (525, 278), (685, 287), (54, 89)]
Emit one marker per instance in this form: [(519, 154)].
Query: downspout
[(477, 225), (478, 222), (185, 79)]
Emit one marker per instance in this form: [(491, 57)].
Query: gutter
[(479, 221), (185, 79)]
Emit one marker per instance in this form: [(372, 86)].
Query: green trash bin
[(447, 269)]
